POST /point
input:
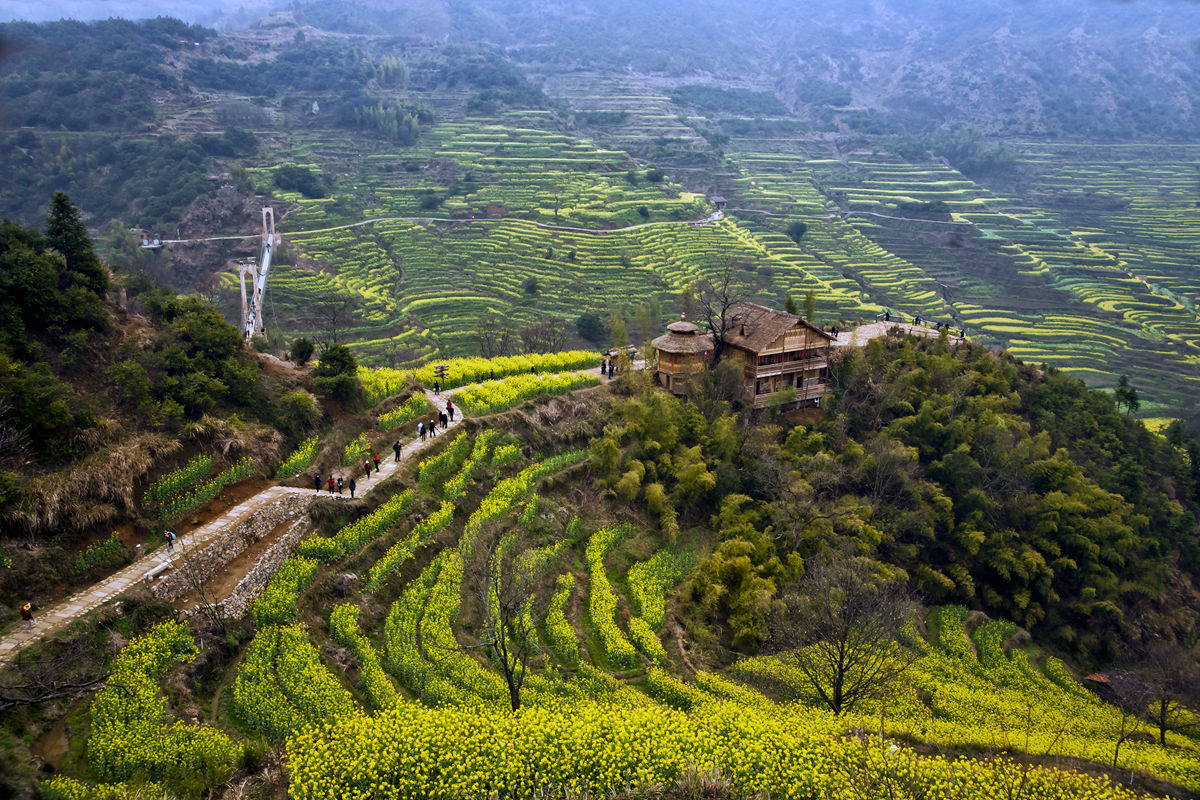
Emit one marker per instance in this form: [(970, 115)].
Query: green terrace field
[(417, 286), (1086, 267), (1137, 203), (441, 278), (832, 250), (626, 110), (466, 170), (1023, 277)]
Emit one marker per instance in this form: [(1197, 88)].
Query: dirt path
[(58, 617)]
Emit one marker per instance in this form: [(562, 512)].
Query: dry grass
[(265, 780), (98, 490), (234, 438)]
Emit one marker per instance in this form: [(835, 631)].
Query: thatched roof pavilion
[(682, 352)]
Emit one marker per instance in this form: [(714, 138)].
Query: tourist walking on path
[(353, 486), (450, 410), (339, 484), (170, 537), (421, 430), (331, 483), (442, 419), (317, 482), (27, 614), (367, 468), (375, 458), (396, 449), (437, 388), (432, 427)]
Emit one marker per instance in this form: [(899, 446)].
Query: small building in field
[(718, 202), (782, 357), (682, 352)]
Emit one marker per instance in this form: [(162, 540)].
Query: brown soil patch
[(278, 368), (229, 497), (52, 746), (222, 584)]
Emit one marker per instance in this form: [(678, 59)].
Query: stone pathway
[(858, 337), (52, 620)]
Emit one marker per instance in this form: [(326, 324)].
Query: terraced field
[(418, 714), (1045, 288), (548, 225), (1088, 266), (641, 113)]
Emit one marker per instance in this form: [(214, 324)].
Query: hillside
[(655, 536), (105, 379), (261, 567)]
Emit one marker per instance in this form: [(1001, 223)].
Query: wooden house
[(778, 352)]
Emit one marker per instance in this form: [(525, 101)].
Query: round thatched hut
[(682, 352)]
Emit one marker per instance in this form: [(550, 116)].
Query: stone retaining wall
[(202, 565), (255, 580)]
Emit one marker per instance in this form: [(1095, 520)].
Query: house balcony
[(810, 391), (786, 367)]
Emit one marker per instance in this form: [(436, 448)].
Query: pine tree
[(66, 234), (789, 304)]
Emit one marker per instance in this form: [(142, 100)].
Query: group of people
[(443, 418), (341, 484), (919, 320), (608, 366), (332, 483)]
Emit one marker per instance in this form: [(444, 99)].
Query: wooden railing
[(685, 368)]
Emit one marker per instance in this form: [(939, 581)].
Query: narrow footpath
[(56, 618)]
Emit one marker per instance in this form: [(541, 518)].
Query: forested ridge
[(990, 483)]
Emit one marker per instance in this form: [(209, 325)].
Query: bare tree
[(70, 669), (715, 388), (507, 630), (839, 630), (494, 335), (545, 335), (1130, 694), (1170, 679), (715, 302), (332, 318), (208, 605)]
